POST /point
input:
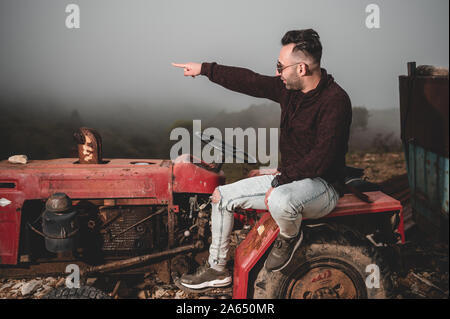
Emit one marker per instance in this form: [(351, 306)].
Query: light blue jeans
[(288, 204)]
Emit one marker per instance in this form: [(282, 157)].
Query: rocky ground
[(149, 287), (423, 273)]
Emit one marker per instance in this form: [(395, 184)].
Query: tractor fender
[(247, 254)]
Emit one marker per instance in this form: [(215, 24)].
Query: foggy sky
[(123, 50)]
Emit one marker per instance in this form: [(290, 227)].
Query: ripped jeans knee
[(216, 196)]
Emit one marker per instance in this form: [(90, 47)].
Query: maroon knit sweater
[(314, 126)]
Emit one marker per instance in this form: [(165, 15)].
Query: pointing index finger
[(178, 65)]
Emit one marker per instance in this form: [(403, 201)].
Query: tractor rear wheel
[(333, 262)]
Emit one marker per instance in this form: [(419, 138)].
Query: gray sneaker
[(206, 277), (282, 252)]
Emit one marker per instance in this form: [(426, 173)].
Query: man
[(315, 124)]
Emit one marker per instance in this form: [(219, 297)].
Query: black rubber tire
[(332, 246), (84, 292)]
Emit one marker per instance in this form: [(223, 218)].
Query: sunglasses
[(280, 66)]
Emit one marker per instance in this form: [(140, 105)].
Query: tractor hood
[(115, 178)]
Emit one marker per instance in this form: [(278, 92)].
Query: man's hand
[(190, 69), (275, 182)]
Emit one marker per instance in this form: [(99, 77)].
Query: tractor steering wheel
[(225, 149)]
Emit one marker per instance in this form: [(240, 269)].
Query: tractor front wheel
[(84, 292)]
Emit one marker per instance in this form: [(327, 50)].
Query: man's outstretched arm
[(237, 79)]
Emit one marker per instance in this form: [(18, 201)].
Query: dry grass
[(378, 167)]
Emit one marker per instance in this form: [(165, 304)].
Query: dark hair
[(307, 41)]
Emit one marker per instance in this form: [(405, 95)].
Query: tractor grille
[(139, 239)]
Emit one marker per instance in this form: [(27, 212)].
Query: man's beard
[(296, 84)]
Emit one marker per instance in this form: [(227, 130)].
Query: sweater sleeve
[(244, 81), (332, 133)]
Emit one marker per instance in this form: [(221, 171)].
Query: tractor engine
[(136, 230), (96, 233)]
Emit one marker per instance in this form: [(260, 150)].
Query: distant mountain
[(43, 129)]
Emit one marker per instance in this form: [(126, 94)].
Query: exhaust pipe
[(89, 146)]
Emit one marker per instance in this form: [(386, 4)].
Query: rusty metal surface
[(195, 178), (122, 231), (429, 183), (38, 270), (398, 188), (171, 227), (117, 180), (424, 112), (139, 222), (58, 267), (89, 146), (140, 259), (323, 283), (424, 108)]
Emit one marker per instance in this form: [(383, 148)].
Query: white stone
[(18, 159), (18, 285), (30, 287), (4, 202), (7, 285)]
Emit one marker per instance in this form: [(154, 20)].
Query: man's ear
[(302, 69)]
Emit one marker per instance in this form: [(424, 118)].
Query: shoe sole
[(209, 284), (290, 257)]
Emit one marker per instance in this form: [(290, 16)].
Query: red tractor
[(110, 215)]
